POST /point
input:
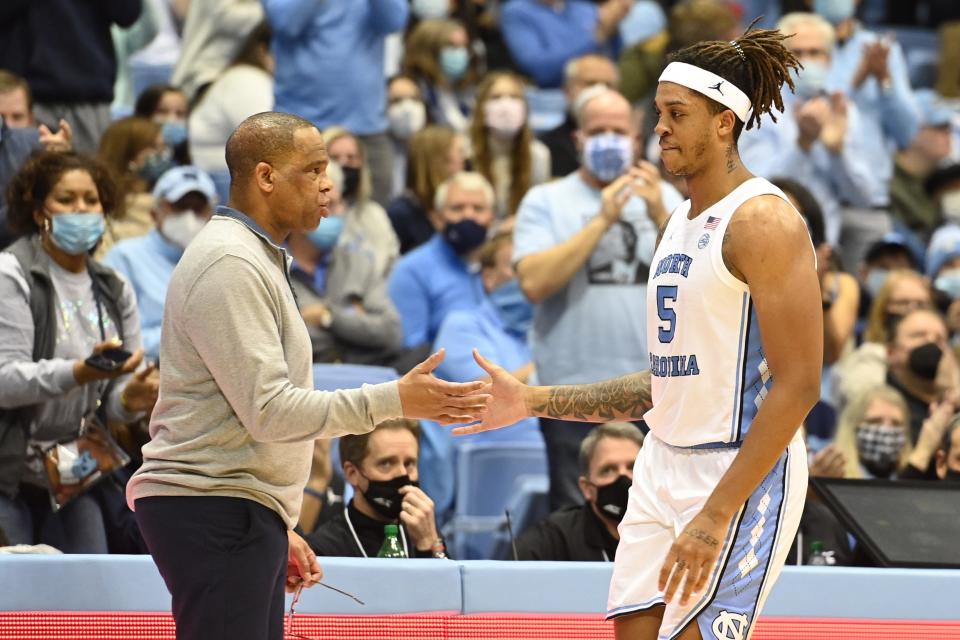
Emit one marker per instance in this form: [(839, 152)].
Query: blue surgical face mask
[(949, 283), (512, 306), (835, 11), (454, 62), (809, 82), (155, 166), (174, 132), (875, 280), (325, 236), (608, 155), (76, 233)]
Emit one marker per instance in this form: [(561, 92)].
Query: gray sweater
[(237, 413)]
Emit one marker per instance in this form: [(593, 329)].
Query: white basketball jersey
[(709, 374)]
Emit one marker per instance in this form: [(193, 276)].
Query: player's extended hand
[(693, 555), (302, 565), (507, 405), (424, 396)]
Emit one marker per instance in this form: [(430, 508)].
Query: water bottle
[(817, 556), (391, 547)]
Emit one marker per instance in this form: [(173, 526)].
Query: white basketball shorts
[(670, 486)]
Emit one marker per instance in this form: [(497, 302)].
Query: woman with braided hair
[(736, 338)]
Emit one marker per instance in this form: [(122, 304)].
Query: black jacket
[(571, 534), (564, 158), (334, 538), (63, 48)]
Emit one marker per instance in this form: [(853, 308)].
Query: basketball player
[(735, 334)]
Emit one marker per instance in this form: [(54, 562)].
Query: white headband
[(710, 85)]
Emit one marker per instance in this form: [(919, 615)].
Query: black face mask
[(351, 181), (925, 360), (952, 476), (612, 498), (464, 236), (384, 495)]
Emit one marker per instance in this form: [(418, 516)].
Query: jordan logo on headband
[(708, 84), (716, 87)]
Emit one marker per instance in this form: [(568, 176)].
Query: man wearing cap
[(910, 203), (184, 199)]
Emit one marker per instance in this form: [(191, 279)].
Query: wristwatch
[(326, 319), (439, 549)]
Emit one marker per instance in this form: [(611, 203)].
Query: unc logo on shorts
[(730, 626), (704, 241)]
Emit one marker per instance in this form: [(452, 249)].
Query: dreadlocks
[(756, 62)]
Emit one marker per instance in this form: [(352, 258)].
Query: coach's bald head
[(277, 165)]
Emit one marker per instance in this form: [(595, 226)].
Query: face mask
[(325, 236), (384, 495), (505, 116), (950, 205), (925, 360), (430, 9), (612, 498), (406, 117), (181, 228), (875, 280), (949, 283), (351, 181), (512, 306), (464, 236), (878, 447), (607, 156), (77, 233), (174, 132), (834, 11), (454, 62), (155, 166), (809, 81)]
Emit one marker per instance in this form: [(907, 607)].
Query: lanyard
[(346, 514)]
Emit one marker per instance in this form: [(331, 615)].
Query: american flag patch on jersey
[(711, 223)]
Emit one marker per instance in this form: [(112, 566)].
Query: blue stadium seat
[(491, 476), (221, 179), (921, 50), (143, 76), (330, 377)]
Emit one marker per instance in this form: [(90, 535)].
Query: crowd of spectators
[(480, 153)]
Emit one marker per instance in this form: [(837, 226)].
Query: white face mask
[(505, 116), (950, 204), (181, 228), (406, 117), (430, 9)]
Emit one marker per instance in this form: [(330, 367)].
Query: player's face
[(685, 127)]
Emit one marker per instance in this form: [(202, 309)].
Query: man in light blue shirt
[(329, 70), (583, 246), (821, 139), (873, 72), (441, 275), (184, 202)]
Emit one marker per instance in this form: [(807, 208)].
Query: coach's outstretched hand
[(423, 396), (508, 399)]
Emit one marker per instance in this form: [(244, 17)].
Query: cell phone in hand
[(108, 359)]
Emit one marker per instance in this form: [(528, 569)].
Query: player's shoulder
[(768, 211)]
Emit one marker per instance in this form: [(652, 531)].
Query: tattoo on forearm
[(703, 537), (624, 398)]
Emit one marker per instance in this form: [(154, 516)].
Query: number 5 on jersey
[(667, 314)]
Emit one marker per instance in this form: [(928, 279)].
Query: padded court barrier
[(123, 598)]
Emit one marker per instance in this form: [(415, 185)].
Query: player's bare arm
[(768, 247), (624, 398)]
